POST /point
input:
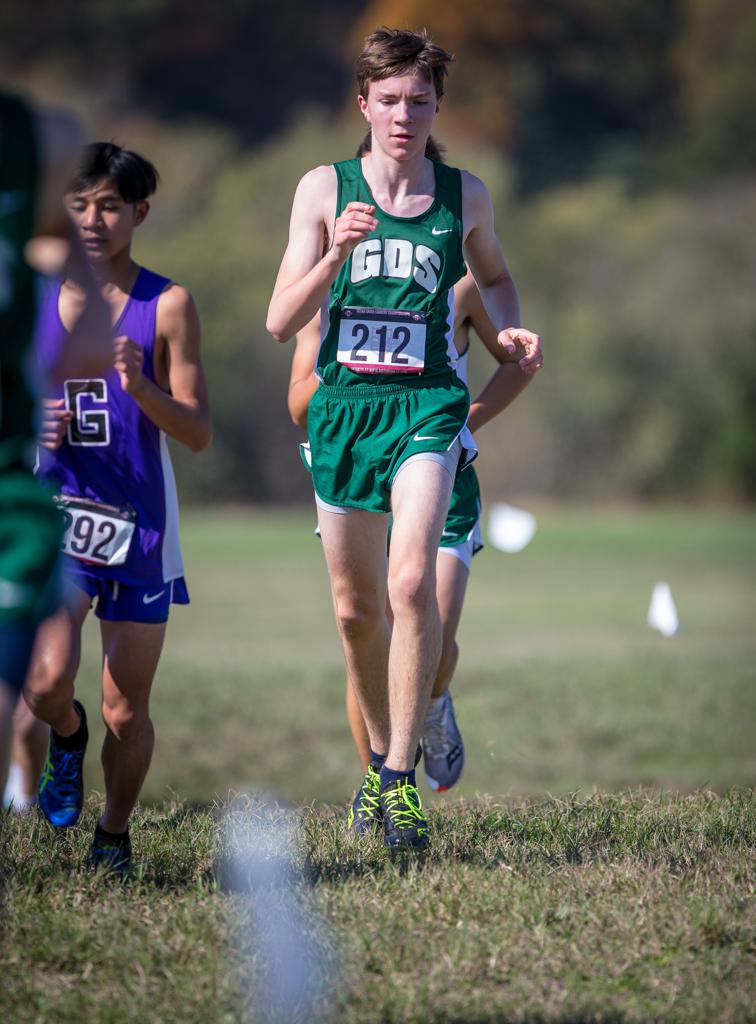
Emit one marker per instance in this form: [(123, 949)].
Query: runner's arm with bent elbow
[(483, 252), (508, 380), (307, 272), (303, 382), (178, 402)]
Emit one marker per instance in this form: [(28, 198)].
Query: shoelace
[(370, 795), (47, 774), (111, 849), (403, 804), (66, 778)]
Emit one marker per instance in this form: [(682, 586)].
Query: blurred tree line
[(617, 139)]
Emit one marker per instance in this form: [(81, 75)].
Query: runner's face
[(104, 221), (400, 112)]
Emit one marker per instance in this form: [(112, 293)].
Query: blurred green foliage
[(618, 143)]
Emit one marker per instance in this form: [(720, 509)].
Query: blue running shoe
[(443, 750), (61, 787), (111, 854)]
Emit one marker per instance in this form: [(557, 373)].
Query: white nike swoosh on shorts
[(441, 231), (424, 437), (149, 598)]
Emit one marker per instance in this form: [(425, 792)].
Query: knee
[(411, 589), (48, 683), (357, 616), (124, 720)]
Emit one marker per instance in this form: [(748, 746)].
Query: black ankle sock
[(115, 837), (77, 739), (376, 760), (389, 777)]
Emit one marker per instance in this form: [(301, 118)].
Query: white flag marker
[(662, 613), (510, 529), (260, 841)]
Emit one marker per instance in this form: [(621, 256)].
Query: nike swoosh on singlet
[(149, 598), (441, 231), (424, 437)]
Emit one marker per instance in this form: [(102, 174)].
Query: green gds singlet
[(389, 315)]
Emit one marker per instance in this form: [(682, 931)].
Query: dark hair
[(433, 150), (134, 176), (395, 51)]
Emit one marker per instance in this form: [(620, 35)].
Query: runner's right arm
[(309, 266), (303, 382)]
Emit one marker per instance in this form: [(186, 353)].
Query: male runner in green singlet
[(37, 150), (379, 246), (443, 748)]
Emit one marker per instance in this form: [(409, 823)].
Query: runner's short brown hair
[(395, 51)]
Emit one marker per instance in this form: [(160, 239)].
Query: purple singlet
[(113, 454)]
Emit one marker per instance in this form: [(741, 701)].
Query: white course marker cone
[(662, 613), (510, 529)]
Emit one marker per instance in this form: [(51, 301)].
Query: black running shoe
[(404, 823), (111, 854), (365, 814)]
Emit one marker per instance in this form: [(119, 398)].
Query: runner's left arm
[(303, 382), (178, 402), (497, 289), (509, 379)]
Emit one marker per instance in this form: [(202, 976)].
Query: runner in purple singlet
[(105, 452)]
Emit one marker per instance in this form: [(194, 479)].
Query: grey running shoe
[(443, 749)]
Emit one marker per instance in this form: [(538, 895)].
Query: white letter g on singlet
[(366, 260)]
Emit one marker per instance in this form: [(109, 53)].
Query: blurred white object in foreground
[(260, 843), (14, 795), (510, 529), (662, 614)]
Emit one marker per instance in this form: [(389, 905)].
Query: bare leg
[(420, 500), (30, 741), (355, 548), (131, 654), (451, 584), (357, 725), (49, 689)]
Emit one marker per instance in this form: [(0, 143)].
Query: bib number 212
[(382, 340)]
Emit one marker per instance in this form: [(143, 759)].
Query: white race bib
[(95, 532), (382, 340)]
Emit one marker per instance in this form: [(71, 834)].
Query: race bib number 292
[(96, 533), (382, 340)]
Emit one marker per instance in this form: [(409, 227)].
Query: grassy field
[(595, 864)]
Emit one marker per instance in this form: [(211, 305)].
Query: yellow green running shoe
[(404, 823), (365, 814)]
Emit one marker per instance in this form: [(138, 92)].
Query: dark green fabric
[(437, 234), (360, 437), (18, 188)]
